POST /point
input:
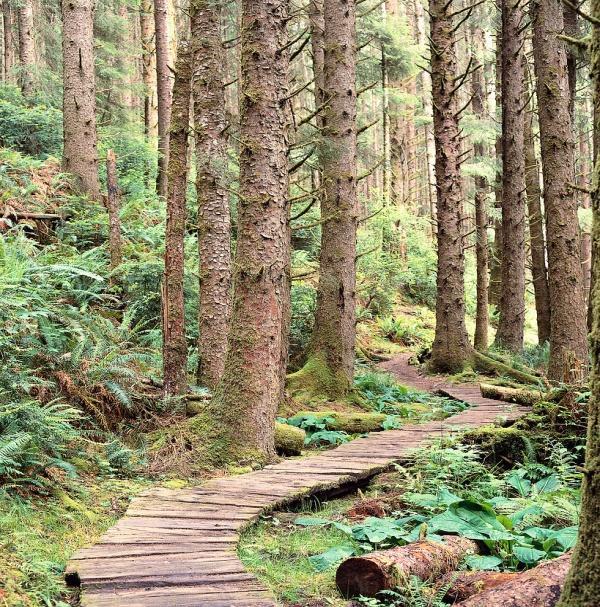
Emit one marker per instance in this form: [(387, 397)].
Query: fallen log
[(353, 423), (511, 395), (464, 584), (537, 587), (387, 569), (288, 439)]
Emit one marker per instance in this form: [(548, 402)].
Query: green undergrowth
[(519, 515), (39, 533)]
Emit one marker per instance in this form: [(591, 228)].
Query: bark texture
[(538, 587), (481, 216), (568, 335), (582, 588), (214, 223), (334, 330), (163, 88), (148, 68), (80, 153), (174, 341), (246, 400), (451, 348), (537, 238), (387, 569), (511, 322), (113, 207), (26, 46), (465, 584), (9, 46)]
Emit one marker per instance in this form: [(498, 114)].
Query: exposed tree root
[(486, 364), (512, 395)]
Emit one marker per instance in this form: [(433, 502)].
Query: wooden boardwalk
[(177, 548)]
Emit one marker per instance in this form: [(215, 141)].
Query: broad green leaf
[(518, 516), (323, 561), (484, 563), (548, 484), (377, 530), (528, 555), (566, 538), (522, 485), (309, 521)]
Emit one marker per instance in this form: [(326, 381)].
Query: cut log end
[(359, 576)]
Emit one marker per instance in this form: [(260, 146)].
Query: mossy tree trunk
[(482, 320), (214, 222), (80, 150), (537, 238), (568, 334), (163, 90), (582, 588), (173, 309), (148, 66), (451, 348), (511, 322), (8, 63), (245, 403), (332, 342), (26, 46)]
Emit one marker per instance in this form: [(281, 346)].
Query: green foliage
[(403, 330), (34, 130)]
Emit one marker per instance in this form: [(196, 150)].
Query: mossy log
[(512, 395), (387, 569), (538, 587), (500, 446), (289, 440), (464, 584), (490, 366), (353, 423)]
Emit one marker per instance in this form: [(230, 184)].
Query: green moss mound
[(289, 440), (352, 423), (315, 381), (504, 447)]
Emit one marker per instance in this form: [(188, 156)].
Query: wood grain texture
[(177, 547)]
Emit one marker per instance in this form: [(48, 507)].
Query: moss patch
[(502, 446), (315, 381), (352, 423), (289, 440)]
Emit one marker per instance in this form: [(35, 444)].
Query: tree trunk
[(113, 207), (481, 216), (80, 153), (582, 588), (451, 348), (242, 412), (537, 238), (568, 335), (511, 322), (386, 569), (539, 586), (26, 46), (174, 341), (214, 223), (163, 86), (332, 344), (9, 45), (584, 181), (148, 68)]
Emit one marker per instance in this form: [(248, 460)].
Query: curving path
[(177, 548)]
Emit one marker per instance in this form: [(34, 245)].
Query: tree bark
[(332, 343), (511, 322), (9, 45), (537, 238), (465, 584), (451, 348), (584, 181), (148, 68), (26, 46), (113, 207), (174, 341), (164, 93), (539, 586), (387, 569), (245, 403), (214, 223), (568, 335), (80, 153), (582, 588), (481, 216)]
